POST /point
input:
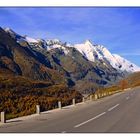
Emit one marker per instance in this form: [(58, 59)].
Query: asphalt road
[(116, 113)]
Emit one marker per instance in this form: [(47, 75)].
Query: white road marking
[(113, 107), (63, 132), (90, 120), (127, 98)]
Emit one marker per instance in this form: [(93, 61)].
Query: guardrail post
[(91, 97), (73, 101), (37, 109), (59, 105), (83, 99), (3, 117), (95, 96)]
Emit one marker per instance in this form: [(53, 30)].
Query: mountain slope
[(19, 95), (84, 66), (92, 52), (24, 61), (126, 65), (133, 79), (84, 75)]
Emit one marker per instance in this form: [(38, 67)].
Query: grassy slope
[(133, 79)]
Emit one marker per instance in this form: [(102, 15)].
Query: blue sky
[(118, 29)]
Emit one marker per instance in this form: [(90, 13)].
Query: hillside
[(19, 95), (84, 75), (133, 80), (28, 79), (25, 62), (84, 67), (54, 61)]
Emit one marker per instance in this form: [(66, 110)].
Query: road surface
[(116, 113)]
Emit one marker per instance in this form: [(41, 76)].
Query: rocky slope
[(24, 61)]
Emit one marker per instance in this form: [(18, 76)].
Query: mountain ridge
[(82, 66), (90, 50)]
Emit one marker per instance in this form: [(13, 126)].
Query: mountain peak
[(9, 30), (30, 40), (88, 42)]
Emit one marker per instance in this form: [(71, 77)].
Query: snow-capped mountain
[(98, 52), (30, 40), (125, 64), (85, 67), (92, 52), (39, 44), (20, 38)]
